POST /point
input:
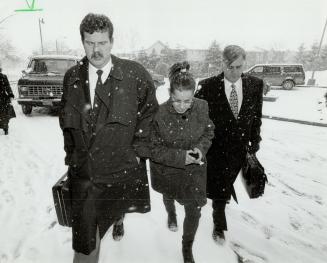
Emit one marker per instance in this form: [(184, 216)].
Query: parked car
[(285, 75), (157, 78), (42, 82)]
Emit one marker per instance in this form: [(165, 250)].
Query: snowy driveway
[(289, 224)]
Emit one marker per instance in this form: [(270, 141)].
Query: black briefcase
[(254, 177), (62, 200)]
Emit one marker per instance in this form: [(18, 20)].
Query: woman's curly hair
[(180, 78)]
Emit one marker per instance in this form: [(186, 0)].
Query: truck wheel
[(27, 109), (288, 84)]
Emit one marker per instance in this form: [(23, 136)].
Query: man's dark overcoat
[(232, 136), (101, 146), (6, 110)]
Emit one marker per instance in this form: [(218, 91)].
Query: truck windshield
[(55, 66)]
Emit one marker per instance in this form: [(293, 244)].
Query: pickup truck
[(41, 83)]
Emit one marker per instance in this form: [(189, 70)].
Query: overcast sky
[(278, 24)]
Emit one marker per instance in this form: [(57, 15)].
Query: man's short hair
[(96, 23), (233, 52)]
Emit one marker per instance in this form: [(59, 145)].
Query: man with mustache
[(108, 105)]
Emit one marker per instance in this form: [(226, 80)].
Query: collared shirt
[(238, 88), (93, 77)]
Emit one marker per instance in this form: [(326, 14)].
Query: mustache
[(97, 54)]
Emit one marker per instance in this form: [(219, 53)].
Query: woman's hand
[(194, 156), (189, 159), (199, 159)]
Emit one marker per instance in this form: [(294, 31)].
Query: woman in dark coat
[(6, 109), (181, 137)]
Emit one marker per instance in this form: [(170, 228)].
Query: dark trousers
[(218, 214), (191, 220), (93, 257), (4, 124)]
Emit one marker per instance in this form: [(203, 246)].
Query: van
[(285, 75)]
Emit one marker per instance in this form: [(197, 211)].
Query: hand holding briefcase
[(254, 177), (62, 200)]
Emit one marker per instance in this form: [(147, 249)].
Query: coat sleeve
[(8, 89), (205, 140), (200, 92), (147, 107), (162, 154), (255, 137), (68, 138)]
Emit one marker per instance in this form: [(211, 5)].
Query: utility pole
[(41, 21), (312, 80)]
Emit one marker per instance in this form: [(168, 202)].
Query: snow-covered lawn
[(306, 104), (288, 224), (319, 76)]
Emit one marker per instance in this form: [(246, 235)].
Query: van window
[(258, 69), (293, 69), (272, 70)]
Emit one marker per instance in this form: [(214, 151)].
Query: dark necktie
[(233, 101), (97, 87), (96, 100)]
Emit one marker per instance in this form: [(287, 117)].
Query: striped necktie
[(97, 87), (233, 101)]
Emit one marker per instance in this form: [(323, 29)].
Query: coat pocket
[(121, 118)]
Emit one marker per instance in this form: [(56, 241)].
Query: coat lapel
[(222, 95), (246, 95), (245, 100), (115, 73), (80, 93)]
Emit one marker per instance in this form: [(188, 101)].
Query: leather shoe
[(218, 236), (118, 231), (187, 252), (172, 222)]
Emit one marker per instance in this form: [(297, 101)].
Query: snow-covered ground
[(306, 104), (288, 224), (319, 76)]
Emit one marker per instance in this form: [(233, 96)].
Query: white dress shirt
[(238, 88), (93, 77)]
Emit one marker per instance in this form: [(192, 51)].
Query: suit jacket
[(233, 137), (127, 107)]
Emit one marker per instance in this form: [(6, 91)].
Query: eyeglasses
[(234, 67), (181, 102)]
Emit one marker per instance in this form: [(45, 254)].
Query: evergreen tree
[(213, 60), (7, 51), (301, 55), (143, 58), (323, 58), (312, 57), (153, 60)]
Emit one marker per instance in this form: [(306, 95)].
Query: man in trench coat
[(108, 105), (235, 107), (6, 109)]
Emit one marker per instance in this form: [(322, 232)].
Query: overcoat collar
[(173, 111), (80, 95)]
